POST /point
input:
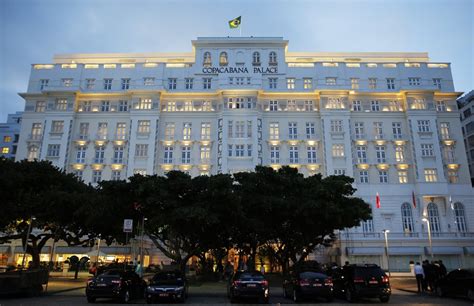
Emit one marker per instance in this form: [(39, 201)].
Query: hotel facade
[(389, 120)]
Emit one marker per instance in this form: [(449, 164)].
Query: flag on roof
[(235, 23)]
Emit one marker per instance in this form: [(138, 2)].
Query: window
[(205, 154), (414, 81), (397, 130), (44, 83), (66, 82), (424, 126), (168, 155), (312, 155), (239, 129), (236, 103), (81, 155), (188, 83), (205, 131), (239, 150), (53, 150), (427, 150), (444, 130), (84, 130), (125, 84), (249, 128), (383, 177), (431, 175), (378, 130), (230, 129), (418, 104), (453, 177), (123, 106), (407, 218), (339, 171), (459, 217), (310, 130), (437, 83), (274, 154), (380, 153), (96, 176), (229, 150), (206, 83), (186, 155), (294, 155), (256, 59), (359, 130), (206, 106), (399, 154), (223, 61), (7, 139), (273, 106), (148, 81), (441, 106), (108, 84), (272, 58), (118, 155), (33, 153), (372, 83), (207, 59), (354, 83), (102, 130), (308, 105), (105, 106), (187, 131), (290, 83), (336, 126), (169, 131), (331, 81), (364, 177), (375, 106), (57, 127), (172, 83), (272, 83), (116, 175), (36, 131), (361, 154), (390, 84), (121, 131), (86, 106), (307, 83), (5, 150), (335, 103), (90, 83), (145, 103), (356, 106), (291, 105), (338, 150), (61, 104), (433, 217), (292, 130), (274, 131), (170, 106), (143, 127), (403, 177), (40, 106)]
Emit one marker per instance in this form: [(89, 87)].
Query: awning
[(116, 250), (365, 251), (405, 250), (444, 250), (5, 249), (469, 250), (44, 250), (72, 250)]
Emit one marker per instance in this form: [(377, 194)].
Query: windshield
[(170, 278)]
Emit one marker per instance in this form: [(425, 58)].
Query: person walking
[(442, 269), (139, 269), (419, 275)]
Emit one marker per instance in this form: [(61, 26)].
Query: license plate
[(251, 285), (373, 282), (163, 294), (317, 285), (101, 285)]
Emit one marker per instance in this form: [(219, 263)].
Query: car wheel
[(349, 295), (90, 299), (440, 292), (329, 299), (470, 294), (384, 299), (296, 296), (126, 296)]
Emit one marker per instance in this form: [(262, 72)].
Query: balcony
[(35, 138)]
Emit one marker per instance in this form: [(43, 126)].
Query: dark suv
[(361, 281), (248, 284)]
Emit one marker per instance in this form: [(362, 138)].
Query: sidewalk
[(407, 284)]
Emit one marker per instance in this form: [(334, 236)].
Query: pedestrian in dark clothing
[(425, 272), (430, 275), (442, 269)]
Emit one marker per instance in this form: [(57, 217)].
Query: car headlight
[(179, 289), (149, 288)]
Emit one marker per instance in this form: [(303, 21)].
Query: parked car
[(458, 282), (300, 285), (246, 284), (171, 285), (116, 284), (361, 281)]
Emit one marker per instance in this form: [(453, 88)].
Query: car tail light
[(304, 282), (116, 281), (385, 279), (358, 279), (264, 282), (237, 282), (90, 281), (328, 282)]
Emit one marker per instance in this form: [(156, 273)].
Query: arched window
[(256, 58), (223, 59), (407, 218), (272, 58), (207, 59), (33, 153), (433, 217), (460, 218)]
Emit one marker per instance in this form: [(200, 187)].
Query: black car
[(361, 281), (459, 282), (246, 284), (116, 284), (301, 285), (170, 285)]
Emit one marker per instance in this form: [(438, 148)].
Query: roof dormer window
[(272, 58), (207, 59), (256, 59), (223, 59)]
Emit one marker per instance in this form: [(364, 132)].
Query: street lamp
[(429, 235), (26, 242), (385, 232)]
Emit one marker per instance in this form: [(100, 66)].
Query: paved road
[(216, 295)]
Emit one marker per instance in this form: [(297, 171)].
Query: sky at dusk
[(32, 31)]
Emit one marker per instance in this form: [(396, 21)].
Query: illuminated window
[(307, 83), (91, 66), (102, 130), (372, 83), (223, 60), (272, 58), (36, 131), (57, 127), (170, 106), (335, 103), (107, 84), (5, 150), (69, 66), (84, 130), (274, 131), (431, 175), (354, 83), (412, 65), (40, 106), (125, 84), (143, 127), (7, 138), (372, 65), (145, 103), (110, 66), (453, 177), (418, 104), (205, 154), (66, 82), (205, 131), (187, 130), (207, 59), (399, 154), (127, 66), (378, 130), (403, 177), (338, 150), (61, 104), (291, 105), (290, 83)]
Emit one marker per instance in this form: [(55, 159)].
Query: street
[(214, 293)]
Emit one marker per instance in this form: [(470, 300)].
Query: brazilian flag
[(235, 23)]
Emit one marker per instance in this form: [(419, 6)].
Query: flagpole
[(240, 29)]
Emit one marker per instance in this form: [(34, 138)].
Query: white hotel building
[(389, 120)]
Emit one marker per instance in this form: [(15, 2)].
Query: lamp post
[(98, 253), (26, 242), (429, 235), (141, 244), (385, 232)]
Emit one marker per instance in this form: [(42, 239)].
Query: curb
[(63, 290)]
